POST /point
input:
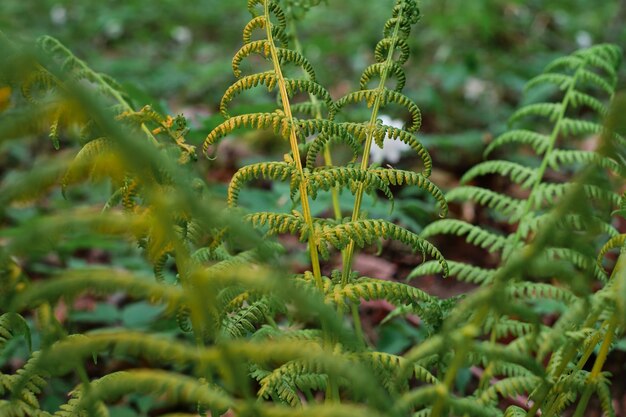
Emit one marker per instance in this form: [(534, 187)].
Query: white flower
[(58, 15), (583, 39), (474, 88), (182, 35), (113, 29), (392, 149)]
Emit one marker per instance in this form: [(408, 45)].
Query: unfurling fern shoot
[(307, 181)]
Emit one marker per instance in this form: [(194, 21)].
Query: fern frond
[(551, 111), (615, 242), (381, 51), (376, 289), (274, 121), (483, 351), (508, 206), (273, 7), (563, 81), (269, 80), (364, 232), (388, 96), (576, 127), (506, 327), (401, 177), (561, 157), (380, 132), (592, 78), (279, 171), (475, 235), (509, 387), (377, 69), (100, 280), (460, 270), (578, 259), (606, 400), (391, 363), (538, 290), (259, 22), (548, 194), (246, 319), (85, 162), (80, 69), (323, 140), (262, 47), (579, 99), (519, 174), (173, 386), (232, 262), (537, 141), (327, 178), (279, 223), (568, 222), (283, 390)]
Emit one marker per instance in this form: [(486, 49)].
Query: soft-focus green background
[(470, 58)]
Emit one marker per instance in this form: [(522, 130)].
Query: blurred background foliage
[(469, 64)]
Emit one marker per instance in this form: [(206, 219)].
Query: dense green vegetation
[(178, 241)]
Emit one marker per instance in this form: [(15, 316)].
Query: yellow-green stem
[(293, 142), (356, 211), (488, 372), (597, 367), (620, 268), (468, 332), (332, 388), (552, 407), (567, 356)]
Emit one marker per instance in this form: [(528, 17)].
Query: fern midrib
[(546, 158), (358, 198), (538, 178), (293, 142), (537, 182)]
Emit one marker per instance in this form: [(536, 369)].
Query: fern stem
[(467, 333), (445, 386), (293, 142), (488, 372), (358, 198), (570, 352), (620, 268), (356, 319), (552, 407), (328, 160), (597, 367)]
